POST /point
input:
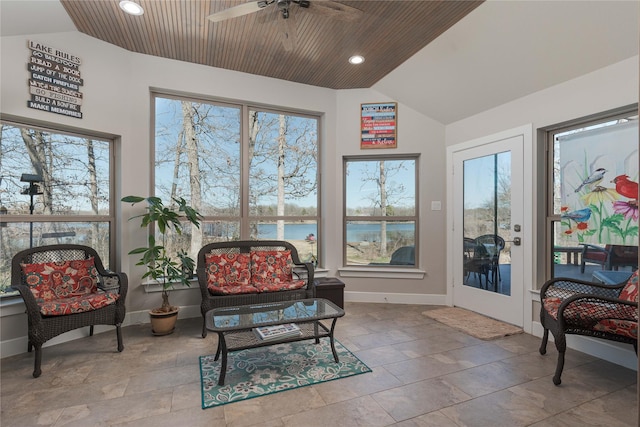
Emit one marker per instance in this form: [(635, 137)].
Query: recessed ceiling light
[(356, 59), (132, 8)]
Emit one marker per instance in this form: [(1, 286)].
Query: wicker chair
[(571, 306), (53, 309), (210, 301)]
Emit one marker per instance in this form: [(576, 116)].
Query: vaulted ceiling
[(386, 33)]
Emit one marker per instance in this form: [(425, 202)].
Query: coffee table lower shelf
[(229, 341)]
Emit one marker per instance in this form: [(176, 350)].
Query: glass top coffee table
[(235, 325)]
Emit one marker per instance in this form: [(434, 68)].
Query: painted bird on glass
[(626, 187), (581, 215), (593, 179)]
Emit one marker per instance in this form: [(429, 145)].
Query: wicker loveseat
[(66, 287), (251, 271), (571, 306)]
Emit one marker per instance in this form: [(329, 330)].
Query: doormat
[(471, 323), (260, 371)]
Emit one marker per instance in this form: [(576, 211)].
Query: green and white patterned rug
[(265, 370)]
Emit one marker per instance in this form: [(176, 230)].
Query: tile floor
[(424, 374)]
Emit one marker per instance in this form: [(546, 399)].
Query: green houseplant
[(163, 266)]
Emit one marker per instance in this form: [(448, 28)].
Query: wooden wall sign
[(54, 81), (378, 125)]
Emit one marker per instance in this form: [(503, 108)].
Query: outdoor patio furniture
[(571, 306), (66, 287), (610, 257)]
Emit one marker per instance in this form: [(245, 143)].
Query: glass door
[(488, 221)]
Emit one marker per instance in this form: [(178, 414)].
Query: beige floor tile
[(424, 374)]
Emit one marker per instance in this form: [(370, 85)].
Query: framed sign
[(378, 125)]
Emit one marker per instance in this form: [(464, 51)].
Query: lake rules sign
[(378, 125), (54, 81)]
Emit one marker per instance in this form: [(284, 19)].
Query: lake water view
[(355, 232)]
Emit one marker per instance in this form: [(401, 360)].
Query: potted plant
[(163, 267)]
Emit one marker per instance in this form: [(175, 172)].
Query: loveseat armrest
[(565, 287), (111, 281)]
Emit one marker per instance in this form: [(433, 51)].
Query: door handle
[(516, 241)]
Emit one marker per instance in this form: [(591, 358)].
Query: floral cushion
[(630, 290), (59, 280), (282, 286), (271, 268), (625, 328), (232, 290), (78, 304)]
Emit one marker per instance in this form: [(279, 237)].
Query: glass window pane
[(365, 245), (381, 187), (301, 234), (197, 154), (48, 173), (283, 164)]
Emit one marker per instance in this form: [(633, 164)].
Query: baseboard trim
[(395, 298)]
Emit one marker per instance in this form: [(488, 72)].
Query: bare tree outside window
[(260, 183), (380, 210), (68, 179)]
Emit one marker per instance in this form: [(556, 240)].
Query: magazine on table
[(278, 331)]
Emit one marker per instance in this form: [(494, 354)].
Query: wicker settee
[(571, 306), (66, 287), (251, 271)]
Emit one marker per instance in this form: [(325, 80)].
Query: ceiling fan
[(327, 8)]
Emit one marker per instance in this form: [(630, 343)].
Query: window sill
[(382, 273), (153, 286), (11, 306)]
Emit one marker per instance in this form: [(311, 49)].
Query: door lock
[(517, 241)]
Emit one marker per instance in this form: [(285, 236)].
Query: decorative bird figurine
[(593, 179), (581, 215), (625, 187)]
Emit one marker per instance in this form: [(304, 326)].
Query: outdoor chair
[(610, 257), (572, 306), (66, 287), (482, 258)]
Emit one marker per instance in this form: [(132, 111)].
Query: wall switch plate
[(436, 205)]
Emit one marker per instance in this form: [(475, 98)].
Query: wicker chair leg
[(37, 361), (119, 335), (561, 345), (559, 367), (545, 339), (91, 330), (204, 329), (29, 347)]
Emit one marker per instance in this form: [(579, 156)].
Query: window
[(251, 172), (381, 210), (589, 204), (55, 187)]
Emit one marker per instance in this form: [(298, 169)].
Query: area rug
[(266, 370), (471, 323)]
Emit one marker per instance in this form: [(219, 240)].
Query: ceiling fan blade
[(335, 10), (240, 10), (288, 33)]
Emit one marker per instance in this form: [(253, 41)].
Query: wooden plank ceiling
[(387, 33)]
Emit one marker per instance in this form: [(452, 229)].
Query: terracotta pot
[(163, 323)]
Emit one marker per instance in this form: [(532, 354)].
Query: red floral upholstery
[(282, 286), (77, 304), (271, 267), (259, 271), (229, 274), (66, 287), (625, 328), (630, 290), (271, 271)]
